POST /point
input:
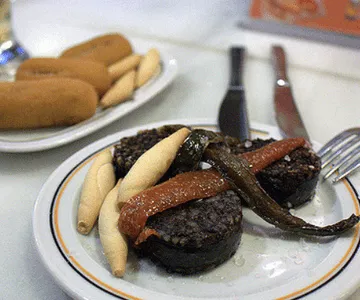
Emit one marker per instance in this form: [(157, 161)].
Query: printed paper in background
[(341, 16)]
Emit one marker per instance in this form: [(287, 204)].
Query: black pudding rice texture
[(197, 235), (129, 149), (290, 181)]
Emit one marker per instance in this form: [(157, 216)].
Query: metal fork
[(342, 151)]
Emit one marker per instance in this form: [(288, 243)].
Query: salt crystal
[(298, 261), (310, 272), (229, 283), (287, 158), (284, 259), (293, 253), (304, 245), (239, 261), (248, 144)]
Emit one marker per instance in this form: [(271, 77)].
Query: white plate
[(269, 264), (42, 139)]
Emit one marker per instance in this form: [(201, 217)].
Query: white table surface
[(198, 34)]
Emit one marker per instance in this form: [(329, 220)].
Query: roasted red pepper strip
[(177, 190), (189, 186), (144, 234), (263, 157)]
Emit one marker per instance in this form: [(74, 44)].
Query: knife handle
[(237, 64), (279, 61)]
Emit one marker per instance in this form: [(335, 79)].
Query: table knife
[(287, 114), (233, 117)]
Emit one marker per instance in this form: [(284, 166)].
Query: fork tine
[(348, 143), (336, 141), (342, 161), (348, 170)]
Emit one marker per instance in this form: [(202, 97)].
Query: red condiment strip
[(144, 234), (180, 189), (265, 156), (189, 186)]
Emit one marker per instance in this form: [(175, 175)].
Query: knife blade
[(287, 114), (233, 117)]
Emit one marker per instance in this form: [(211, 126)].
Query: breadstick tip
[(82, 227), (118, 272)]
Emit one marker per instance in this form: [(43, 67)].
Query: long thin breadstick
[(121, 67), (147, 170), (113, 241), (151, 166), (120, 91), (99, 180), (147, 67)]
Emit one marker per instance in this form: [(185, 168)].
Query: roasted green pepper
[(235, 169), (189, 155)]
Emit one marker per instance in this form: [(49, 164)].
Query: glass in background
[(11, 52)]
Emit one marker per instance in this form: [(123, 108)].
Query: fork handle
[(236, 66), (279, 62)]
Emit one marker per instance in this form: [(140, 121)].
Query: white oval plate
[(269, 264), (45, 138)]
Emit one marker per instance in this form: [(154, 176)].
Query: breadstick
[(147, 170), (99, 180), (120, 91), (148, 65), (121, 67), (151, 166), (113, 241)]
